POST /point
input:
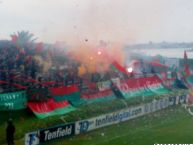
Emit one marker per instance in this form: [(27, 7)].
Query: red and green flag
[(50, 108), (70, 93), (186, 66), (98, 92), (115, 66), (99, 96), (63, 90), (189, 81), (144, 86)]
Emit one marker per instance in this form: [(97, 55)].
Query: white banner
[(126, 114), (104, 85), (108, 119)]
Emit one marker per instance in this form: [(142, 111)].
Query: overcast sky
[(125, 21)]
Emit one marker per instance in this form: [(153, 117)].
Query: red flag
[(50, 53), (14, 38), (21, 50), (118, 67), (39, 47), (17, 56), (186, 66)]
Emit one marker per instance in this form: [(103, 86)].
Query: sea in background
[(166, 52)]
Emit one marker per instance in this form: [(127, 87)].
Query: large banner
[(63, 90), (104, 85), (98, 92), (13, 101), (108, 119), (96, 87), (50, 108), (144, 86), (57, 132)]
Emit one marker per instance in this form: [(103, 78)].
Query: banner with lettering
[(127, 114), (98, 92), (57, 132), (13, 101), (144, 86)]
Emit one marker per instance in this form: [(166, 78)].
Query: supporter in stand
[(23, 61)]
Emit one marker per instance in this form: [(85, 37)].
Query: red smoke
[(96, 58)]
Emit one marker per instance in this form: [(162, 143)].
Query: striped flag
[(186, 66)]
